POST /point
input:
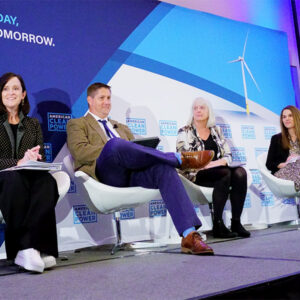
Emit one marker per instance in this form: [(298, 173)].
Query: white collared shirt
[(109, 125)]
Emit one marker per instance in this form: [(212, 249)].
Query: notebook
[(151, 142)]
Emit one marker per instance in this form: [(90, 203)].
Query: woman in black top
[(27, 198), (284, 151), (201, 133)]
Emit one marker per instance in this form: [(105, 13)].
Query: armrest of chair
[(279, 187), (197, 194), (69, 165), (63, 183), (105, 199), (249, 177)]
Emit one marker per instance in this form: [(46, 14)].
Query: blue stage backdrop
[(59, 46), (157, 57)]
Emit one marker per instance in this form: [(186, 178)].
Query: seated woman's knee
[(239, 174)]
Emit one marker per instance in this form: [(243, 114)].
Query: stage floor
[(162, 273)]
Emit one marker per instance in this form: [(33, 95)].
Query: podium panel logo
[(247, 203), (226, 129), (256, 177), (72, 189), (289, 201), (82, 214), (48, 151), (238, 154), (127, 214), (157, 208), (168, 128), (269, 131), (58, 121), (248, 132), (267, 199), (137, 126)]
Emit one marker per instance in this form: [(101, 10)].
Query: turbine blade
[(233, 61), (245, 64), (245, 44)]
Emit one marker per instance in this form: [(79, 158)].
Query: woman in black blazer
[(284, 151), (27, 198)]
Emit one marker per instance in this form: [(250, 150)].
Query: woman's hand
[(292, 157), (31, 154), (216, 163), (281, 165)]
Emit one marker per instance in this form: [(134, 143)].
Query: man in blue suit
[(101, 147)]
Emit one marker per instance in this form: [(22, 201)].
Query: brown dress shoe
[(193, 244), (196, 159)]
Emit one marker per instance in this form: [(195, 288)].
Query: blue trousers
[(125, 164)]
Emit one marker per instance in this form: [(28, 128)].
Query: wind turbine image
[(243, 66)]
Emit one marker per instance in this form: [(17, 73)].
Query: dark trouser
[(221, 179), (123, 164), (27, 202)]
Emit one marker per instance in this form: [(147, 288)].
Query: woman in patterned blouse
[(284, 151), (201, 133), (27, 197)]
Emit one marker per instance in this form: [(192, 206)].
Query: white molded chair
[(279, 187), (203, 195), (63, 185), (105, 199)]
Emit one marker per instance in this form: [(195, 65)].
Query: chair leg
[(298, 211), (211, 212), (118, 245)]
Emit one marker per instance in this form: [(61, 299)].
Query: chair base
[(295, 223), (256, 226), (149, 244), (137, 245), (156, 243), (117, 247)]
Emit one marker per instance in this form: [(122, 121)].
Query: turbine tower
[(243, 66)]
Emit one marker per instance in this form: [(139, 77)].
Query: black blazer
[(29, 134), (276, 153)]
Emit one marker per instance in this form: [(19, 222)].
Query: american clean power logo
[(18, 35)]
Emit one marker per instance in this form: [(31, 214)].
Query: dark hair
[(24, 105), (95, 87), (284, 131)]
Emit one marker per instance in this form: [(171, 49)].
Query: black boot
[(238, 228), (221, 231)]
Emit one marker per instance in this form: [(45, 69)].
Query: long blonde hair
[(284, 131), (211, 115)]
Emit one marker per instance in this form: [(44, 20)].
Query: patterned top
[(295, 147), (189, 140)]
